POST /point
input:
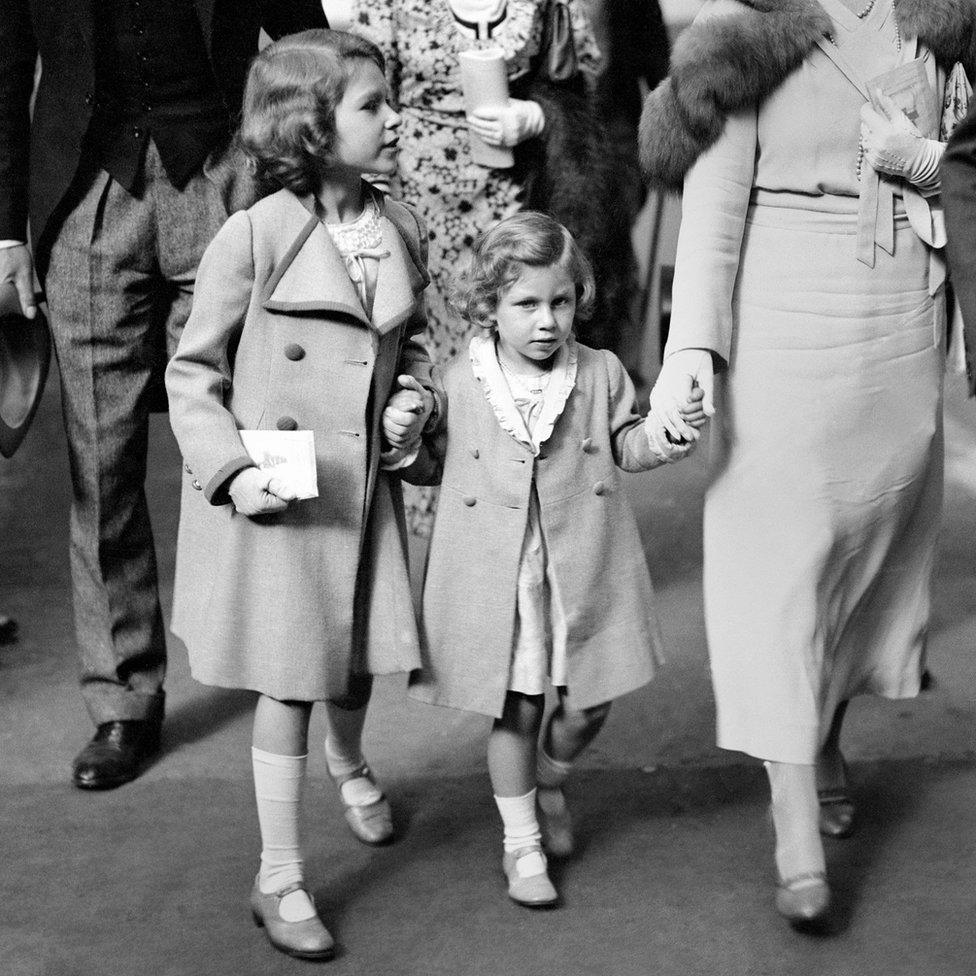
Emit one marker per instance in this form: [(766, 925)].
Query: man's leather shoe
[(116, 754)]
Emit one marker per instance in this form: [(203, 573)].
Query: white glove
[(893, 145), (508, 125), (680, 372)]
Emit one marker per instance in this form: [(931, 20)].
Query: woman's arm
[(713, 215)]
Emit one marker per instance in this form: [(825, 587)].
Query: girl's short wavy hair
[(288, 116), (528, 239)]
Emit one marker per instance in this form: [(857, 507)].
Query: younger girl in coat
[(305, 312), (536, 573)]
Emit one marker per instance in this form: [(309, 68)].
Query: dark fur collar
[(723, 64)]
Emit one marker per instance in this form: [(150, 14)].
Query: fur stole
[(725, 63)]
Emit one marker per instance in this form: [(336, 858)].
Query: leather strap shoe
[(116, 754), (307, 939)]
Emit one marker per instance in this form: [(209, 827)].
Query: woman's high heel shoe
[(837, 813), (803, 900), (802, 894)]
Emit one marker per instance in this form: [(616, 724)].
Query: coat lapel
[(394, 299), (311, 277)]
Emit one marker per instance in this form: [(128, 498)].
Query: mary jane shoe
[(531, 890), (307, 939), (371, 823)]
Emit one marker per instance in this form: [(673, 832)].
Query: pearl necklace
[(861, 16)]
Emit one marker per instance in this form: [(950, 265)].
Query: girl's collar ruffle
[(488, 372)]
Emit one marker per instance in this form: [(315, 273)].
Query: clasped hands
[(508, 125), (682, 398), (404, 417)]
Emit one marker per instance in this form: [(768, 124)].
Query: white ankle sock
[(278, 782), (358, 791), (520, 823)]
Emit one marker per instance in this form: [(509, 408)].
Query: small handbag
[(557, 55)]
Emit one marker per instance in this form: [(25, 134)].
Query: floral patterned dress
[(458, 199)]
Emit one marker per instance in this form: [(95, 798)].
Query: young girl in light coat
[(307, 307), (536, 573)]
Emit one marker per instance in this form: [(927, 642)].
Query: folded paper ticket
[(908, 87), (290, 454)]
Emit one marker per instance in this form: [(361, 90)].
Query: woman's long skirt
[(826, 479)]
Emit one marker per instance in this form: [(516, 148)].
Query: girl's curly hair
[(527, 239), (288, 116)]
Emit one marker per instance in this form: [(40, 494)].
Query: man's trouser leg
[(109, 296)]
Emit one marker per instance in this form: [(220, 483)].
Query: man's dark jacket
[(959, 197), (39, 159)]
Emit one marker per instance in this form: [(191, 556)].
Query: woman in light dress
[(809, 281)]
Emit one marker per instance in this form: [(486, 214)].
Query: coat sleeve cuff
[(215, 490)]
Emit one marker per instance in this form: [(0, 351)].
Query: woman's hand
[(892, 143), (508, 125), (674, 400), (257, 492)]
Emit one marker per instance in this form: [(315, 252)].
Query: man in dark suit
[(959, 198), (123, 177)]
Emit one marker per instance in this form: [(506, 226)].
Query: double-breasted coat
[(592, 541), (291, 604)]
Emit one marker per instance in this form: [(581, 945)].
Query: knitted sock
[(344, 753), (521, 830), (278, 782)]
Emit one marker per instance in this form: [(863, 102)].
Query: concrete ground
[(674, 875)]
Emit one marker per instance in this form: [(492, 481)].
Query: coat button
[(196, 484), (475, 453), (469, 501), (294, 352), (287, 423), (588, 446), (599, 488)]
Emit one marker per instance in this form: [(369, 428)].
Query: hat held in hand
[(25, 354)]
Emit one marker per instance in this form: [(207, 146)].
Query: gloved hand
[(673, 400), (893, 145), (509, 125)]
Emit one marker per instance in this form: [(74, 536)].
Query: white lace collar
[(488, 372)]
